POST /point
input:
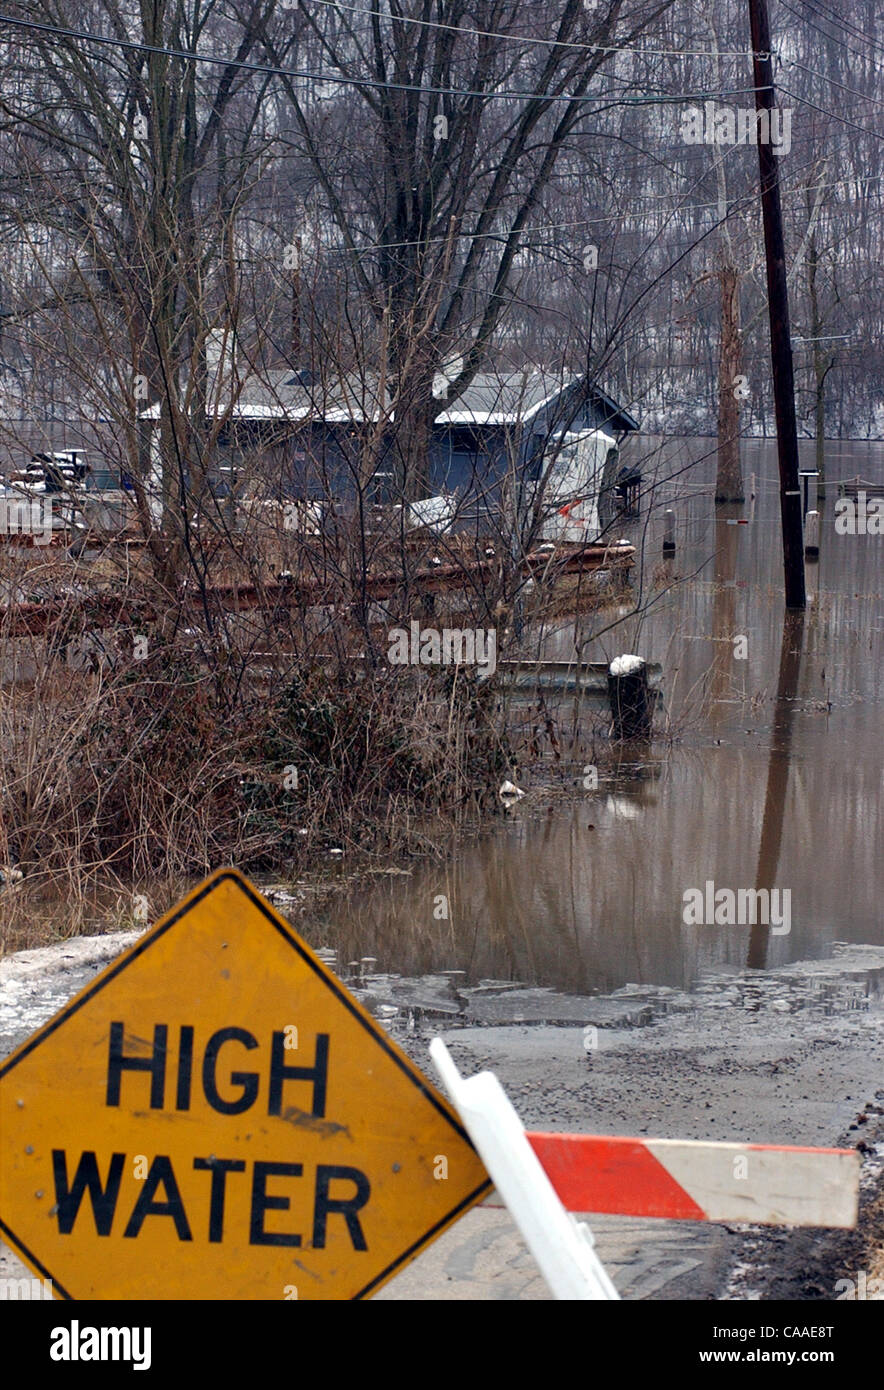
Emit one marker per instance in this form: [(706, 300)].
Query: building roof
[(505, 398), (284, 394), (509, 398)]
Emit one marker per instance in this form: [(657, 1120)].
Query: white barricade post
[(562, 1247)]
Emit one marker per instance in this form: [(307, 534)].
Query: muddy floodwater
[(767, 774)]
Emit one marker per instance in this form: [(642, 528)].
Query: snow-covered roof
[(492, 398), (504, 399), (291, 395)]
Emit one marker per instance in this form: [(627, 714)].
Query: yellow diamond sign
[(215, 1116)]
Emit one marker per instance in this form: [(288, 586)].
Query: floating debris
[(510, 792)]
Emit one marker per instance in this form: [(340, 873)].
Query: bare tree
[(132, 160), (430, 170)]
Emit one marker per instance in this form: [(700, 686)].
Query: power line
[(591, 47), (792, 63), (271, 70), (831, 37), (842, 22), (618, 216), (546, 43), (876, 134)]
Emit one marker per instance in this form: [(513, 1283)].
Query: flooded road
[(767, 774), (568, 915)]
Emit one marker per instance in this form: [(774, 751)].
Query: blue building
[(307, 436)]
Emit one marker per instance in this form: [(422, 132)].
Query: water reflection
[(724, 610), (774, 776), (777, 776)]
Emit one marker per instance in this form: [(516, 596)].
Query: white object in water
[(509, 791)]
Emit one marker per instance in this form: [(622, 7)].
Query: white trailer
[(573, 472)]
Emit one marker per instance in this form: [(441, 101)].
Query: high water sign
[(216, 1117)]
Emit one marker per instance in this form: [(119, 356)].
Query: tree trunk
[(729, 482), (820, 370), (411, 450), (414, 407)]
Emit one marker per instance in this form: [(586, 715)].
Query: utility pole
[(778, 311)]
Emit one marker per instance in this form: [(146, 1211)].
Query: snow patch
[(626, 665), (65, 955)]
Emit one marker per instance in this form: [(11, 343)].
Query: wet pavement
[(483, 1258)]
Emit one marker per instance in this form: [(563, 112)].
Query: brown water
[(774, 779)]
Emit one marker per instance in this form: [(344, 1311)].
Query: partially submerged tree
[(729, 479)]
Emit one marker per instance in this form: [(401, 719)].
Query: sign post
[(563, 1248)]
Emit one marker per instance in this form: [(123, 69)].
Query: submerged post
[(630, 698)]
